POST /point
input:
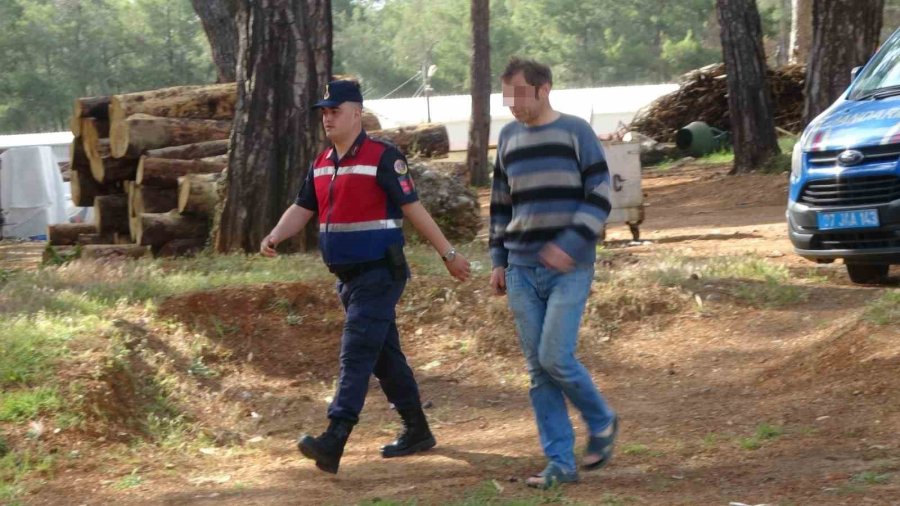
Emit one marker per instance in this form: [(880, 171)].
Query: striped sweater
[(551, 184)]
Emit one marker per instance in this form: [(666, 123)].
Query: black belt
[(349, 272)]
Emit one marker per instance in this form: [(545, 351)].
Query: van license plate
[(865, 218)]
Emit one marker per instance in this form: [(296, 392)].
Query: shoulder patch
[(400, 167)]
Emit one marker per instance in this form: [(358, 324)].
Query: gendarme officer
[(362, 191)]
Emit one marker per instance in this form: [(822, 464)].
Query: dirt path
[(794, 405)]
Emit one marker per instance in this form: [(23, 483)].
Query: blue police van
[(844, 200)]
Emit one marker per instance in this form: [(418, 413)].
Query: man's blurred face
[(340, 122), (524, 100)]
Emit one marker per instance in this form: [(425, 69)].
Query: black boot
[(327, 449), (415, 437)]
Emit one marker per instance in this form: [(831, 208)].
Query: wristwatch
[(449, 255)]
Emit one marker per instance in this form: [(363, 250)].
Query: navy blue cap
[(338, 92)]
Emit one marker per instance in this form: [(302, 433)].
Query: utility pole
[(428, 70)]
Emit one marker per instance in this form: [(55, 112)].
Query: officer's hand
[(267, 247), (458, 267), (498, 280), (553, 257)]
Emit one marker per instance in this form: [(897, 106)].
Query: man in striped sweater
[(549, 203)]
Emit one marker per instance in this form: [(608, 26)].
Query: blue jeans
[(370, 345), (548, 306)]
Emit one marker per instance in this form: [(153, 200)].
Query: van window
[(882, 72)]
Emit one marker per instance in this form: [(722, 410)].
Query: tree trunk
[(109, 170), (480, 125), (845, 34), (84, 239), (96, 251), (140, 132), (284, 60), (182, 247), (801, 30), (82, 184), (158, 229), (90, 107), (149, 199), (218, 23), (749, 97), (211, 101), (164, 172), (66, 234), (370, 122), (428, 139), (198, 193), (111, 213), (191, 151), (782, 53)]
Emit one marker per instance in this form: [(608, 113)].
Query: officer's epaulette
[(385, 142)]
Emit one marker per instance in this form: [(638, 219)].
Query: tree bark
[(211, 101), (191, 151), (480, 124), (801, 30), (149, 199), (66, 234), (217, 18), (140, 132), (370, 122), (111, 213), (82, 184), (845, 35), (284, 60), (107, 169), (182, 247), (84, 239), (749, 96), (89, 107), (198, 193), (428, 139), (158, 229), (164, 172), (96, 251)]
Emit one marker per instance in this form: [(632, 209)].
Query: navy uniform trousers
[(370, 345)]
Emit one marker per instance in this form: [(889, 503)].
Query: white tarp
[(58, 141), (32, 193)]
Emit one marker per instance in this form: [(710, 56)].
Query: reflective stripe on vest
[(362, 170), (361, 226)]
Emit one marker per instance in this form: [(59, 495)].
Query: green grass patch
[(750, 279), (14, 466), (30, 344), (871, 478), (17, 406), (90, 287), (129, 481), (884, 310), (638, 449), (423, 259), (764, 432)]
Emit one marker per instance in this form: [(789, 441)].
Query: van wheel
[(868, 273)]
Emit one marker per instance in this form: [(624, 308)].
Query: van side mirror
[(854, 73)]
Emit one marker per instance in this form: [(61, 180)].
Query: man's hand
[(267, 247), (458, 267), (498, 280), (553, 257)]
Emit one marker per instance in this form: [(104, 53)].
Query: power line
[(417, 74)]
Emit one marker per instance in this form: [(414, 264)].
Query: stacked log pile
[(702, 96), (127, 156), (150, 164)]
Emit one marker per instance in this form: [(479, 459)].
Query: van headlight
[(796, 162)]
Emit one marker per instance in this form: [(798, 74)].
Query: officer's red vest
[(357, 221)]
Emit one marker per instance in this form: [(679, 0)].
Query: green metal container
[(700, 139)]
